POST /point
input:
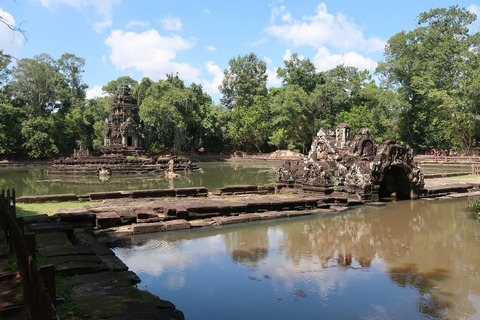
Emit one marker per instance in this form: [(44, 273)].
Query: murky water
[(409, 260), (33, 181)]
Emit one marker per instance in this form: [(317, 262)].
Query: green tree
[(291, 125), (244, 80), (34, 85), (10, 129), (431, 68), (113, 86), (38, 141), (339, 93), (301, 72)]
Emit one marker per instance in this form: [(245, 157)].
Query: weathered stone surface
[(201, 223), (140, 228), (50, 227), (179, 224), (238, 189), (84, 238), (106, 195), (41, 218), (107, 219), (47, 198), (155, 193), (357, 165)]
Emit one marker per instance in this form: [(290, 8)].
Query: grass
[(49, 208), (475, 207)]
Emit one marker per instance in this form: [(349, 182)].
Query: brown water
[(409, 260)]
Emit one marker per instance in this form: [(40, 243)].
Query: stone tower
[(123, 132)]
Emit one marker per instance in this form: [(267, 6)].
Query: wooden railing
[(38, 283)]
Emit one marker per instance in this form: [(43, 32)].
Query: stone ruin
[(356, 165), (122, 150), (123, 132)]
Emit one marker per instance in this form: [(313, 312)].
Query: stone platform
[(102, 286), (117, 164)]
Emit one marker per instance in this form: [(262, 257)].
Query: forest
[(425, 93)]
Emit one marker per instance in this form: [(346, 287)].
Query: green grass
[(49, 208), (475, 207)]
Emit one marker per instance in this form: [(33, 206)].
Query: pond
[(33, 181), (408, 260)]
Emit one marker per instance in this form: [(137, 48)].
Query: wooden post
[(31, 245), (48, 274)]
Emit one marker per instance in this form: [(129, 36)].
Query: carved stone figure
[(357, 165)]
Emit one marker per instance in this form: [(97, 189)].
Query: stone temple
[(123, 132), (356, 165), (122, 151)]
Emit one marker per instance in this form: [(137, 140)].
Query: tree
[(339, 93), (34, 85), (113, 86), (38, 141), (10, 129), (301, 72), (244, 80), (5, 72), (71, 67), (431, 67), (248, 127), (291, 126)]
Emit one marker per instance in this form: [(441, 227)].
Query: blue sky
[(198, 38)]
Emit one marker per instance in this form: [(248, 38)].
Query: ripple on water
[(152, 244)]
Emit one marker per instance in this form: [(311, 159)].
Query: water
[(33, 181), (409, 260)]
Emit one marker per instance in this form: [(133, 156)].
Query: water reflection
[(33, 181), (412, 259)]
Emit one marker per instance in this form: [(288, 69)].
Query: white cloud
[(171, 24), (102, 25), (325, 60), (95, 92), (475, 26), (150, 53), (273, 80), (136, 23), (10, 41), (321, 29), (211, 48), (217, 77), (102, 8)]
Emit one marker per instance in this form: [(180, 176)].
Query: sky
[(197, 39)]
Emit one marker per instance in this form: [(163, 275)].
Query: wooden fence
[(38, 283)]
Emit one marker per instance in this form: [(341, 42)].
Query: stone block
[(141, 228), (106, 195), (178, 224), (151, 193), (238, 188), (107, 219)]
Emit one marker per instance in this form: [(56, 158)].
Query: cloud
[(321, 29), (325, 60), (136, 23), (171, 24), (150, 53), (475, 26), (217, 77), (211, 48), (10, 41), (95, 92), (102, 8), (102, 25)]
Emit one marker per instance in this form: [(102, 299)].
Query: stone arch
[(395, 181)]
